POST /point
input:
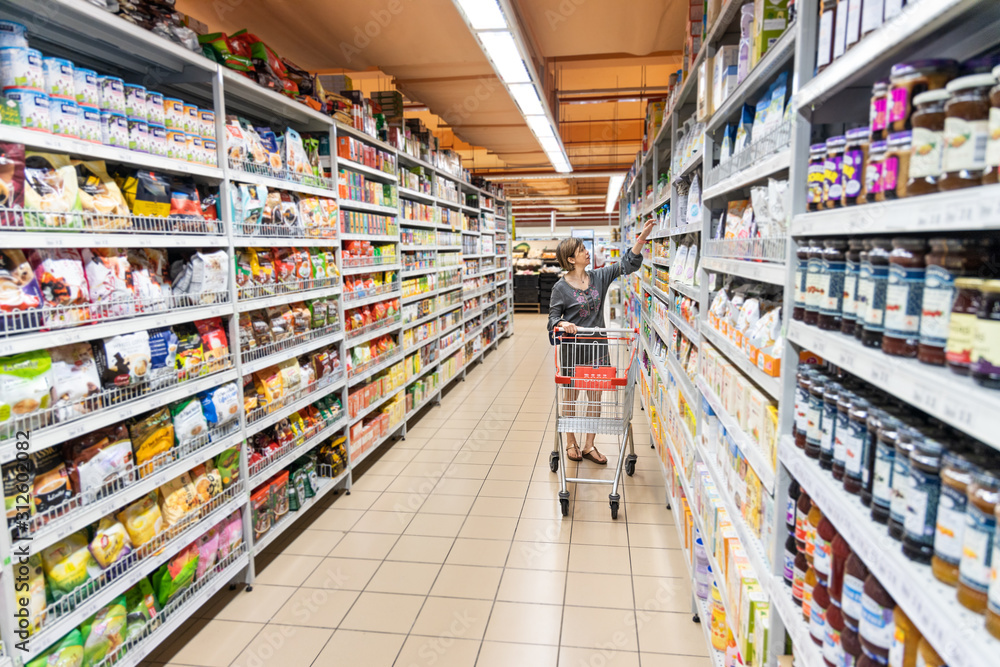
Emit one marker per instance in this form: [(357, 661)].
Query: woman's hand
[(647, 229), (568, 327)]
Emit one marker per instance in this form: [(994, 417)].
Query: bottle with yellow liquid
[(718, 621)]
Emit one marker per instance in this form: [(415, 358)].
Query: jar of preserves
[(926, 147), (907, 80), (841, 433), (852, 267), (962, 324), (834, 264), (817, 613), (922, 498), (801, 278), (985, 369), (828, 427), (877, 110), (808, 586), (873, 171), (812, 530), (855, 439), (855, 574), (895, 167), (875, 275), (802, 509), (905, 443), (904, 296), (801, 425), (817, 171), (854, 164), (977, 547), (927, 656), (814, 416), (966, 130), (815, 283), (958, 469), (990, 175), (841, 551), (874, 424), (948, 260), (788, 569), (793, 497), (801, 566), (885, 460), (864, 291), (905, 638), (833, 184), (877, 625), (850, 642), (823, 552), (993, 596), (833, 650)]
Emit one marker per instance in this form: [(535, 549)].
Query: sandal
[(590, 455), (570, 456)]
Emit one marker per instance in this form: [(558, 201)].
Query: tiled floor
[(451, 551)]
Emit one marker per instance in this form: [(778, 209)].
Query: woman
[(578, 301)]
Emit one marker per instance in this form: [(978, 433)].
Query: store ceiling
[(601, 59)]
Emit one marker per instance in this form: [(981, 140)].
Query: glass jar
[(817, 170), (850, 641), (788, 570), (905, 443), (815, 282), (905, 638), (808, 586), (993, 142), (803, 379), (833, 650), (841, 551), (873, 171), (877, 109), (927, 656), (812, 530), (904, 296), (828, 427), (823, 553), (948, 260), (993, 596), (793, 498), (854, 164), (927, 144), (962, 324), (923, 496), (907, 80), (834, 264), (855, 573), (799, 578), (875, 274), (985, 369), (895, 167), (977, 547), (966, 130), (872, 427), (852, 267), (885, 460), (802, 509), (841, 433), (817, 613), (856, 437), (833, 184), (801, 278), (957, 472), (877, 624), (814, 416)]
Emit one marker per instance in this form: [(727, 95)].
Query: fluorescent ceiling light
[(549, 145), (541, 126), (506, 57), (614, 188), (483, 14), (527, 98)]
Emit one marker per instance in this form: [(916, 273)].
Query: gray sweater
[(585, 308)]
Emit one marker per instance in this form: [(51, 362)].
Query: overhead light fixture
[(541, 126), (550, 145), (614, 187), (483, 14), (527, 98), (503, 51)]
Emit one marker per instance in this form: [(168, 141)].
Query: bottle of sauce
[(794, 490), (927, 144), (812, 529), (823, 553), (841, 551), (855, 439), (977, 547), (906, 439), (841, 433), (833, 649), (814, 431), (948, 260), (828, 427), (966, 131), (904, 296), (866, 287), (803, 383), (834, 264), (808, 586), (993, 144), (799, 578), (922, 499), (802, 508), (905, 639), (852, 269), (927, 656), (874, 423), (985, 368), (957, 471), (962, 324), (855, 574), (788, 571), (817, 613), (875, 273), (885, 458), (850, 642), (801, 278), (815, 283), (877, 624)]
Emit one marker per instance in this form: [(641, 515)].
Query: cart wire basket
[(595, 387)]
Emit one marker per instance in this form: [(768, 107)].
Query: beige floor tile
[(433, 456), (667, 660), (424, 469), (375, 546), (313, 543), (383, 522), (445, 651), (654, 495), (467, 581), (447, 443), (503, 507), (404, 578), (504, 489), (479, 456), (658, 562), (337, 519), (539, 556), (527, 623), (593, 558), (510, 458), (505, 654), (608, 656), (435, 525), (489, 528), (350, 574), (549, 491), (467, 471), (488, 553), (453, 617), (398, 502), (358, 500), (284, 646), (387, 467), (315, 607), (591, 589), (600, 511), (533, 586), (445, 504), (421, 549), (517, 473), (404, 455), (287, 570), (654, 536), (662, 593), (371, 649), (459, 487), (370, 482), (214, 644), (646, 513), (258, 606), (383, 612), (544, 530), (596, 627), (665, 632), (541, 508), (611, 533)]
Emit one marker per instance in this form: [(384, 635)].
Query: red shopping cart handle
[(615, 382)]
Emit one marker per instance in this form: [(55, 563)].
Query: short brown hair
[(567, 248)]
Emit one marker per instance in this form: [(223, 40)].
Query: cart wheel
[(554, 461), (696, 618), (630, 464), (564, 504), (614, 509)]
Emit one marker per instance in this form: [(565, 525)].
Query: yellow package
[(142, 519), (177, 498), (151, 436), (111, 542), (268, 386), (68, 564), (207, 481)]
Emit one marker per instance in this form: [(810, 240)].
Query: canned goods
[(211, 151), (135, 101), (112, 93), (85, 85), (154, 107), (207, 117), (138, 135), (21, 67), (90, 124), (114, 129), (194, 148), (176, 144), (65, 117), (173, 113), (13, 34), (157, 139), (34, 105), (59, 78), (192, 124)]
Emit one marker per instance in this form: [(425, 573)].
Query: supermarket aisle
[(451, 551)]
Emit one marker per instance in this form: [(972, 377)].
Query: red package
[(284, 265), (214, 343)]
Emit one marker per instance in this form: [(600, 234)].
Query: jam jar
[(876, 415), (977, 547), (815, 282), (814, 432), (817, 170), (993, 595), (875, 275), (907, 80), (927, 656), (863, 293), (832, 302), (828, 427), (962, 324), (877, 114), (922, 498), (873, 171), (801, 426), (852, 267), (801, 276), (855, 439), (990, 175), (877, 624), (949, 259), (855, 574), (842, 432), (895, 167), (905, 443), (833, 183), (885, 460), (966, 130), (854, 164), (905, 639), (985, 368), (958, 469), (904, 296), (926, 147)]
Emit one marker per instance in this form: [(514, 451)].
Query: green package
[(104, 632), (67, 652)]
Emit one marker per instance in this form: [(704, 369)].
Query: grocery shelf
[(422, 404), (407, 222), (279, 528), (272, 183), (684, 382), (691, 166), (413, 298), (765, 272), (371, 172), (954, 399), (365, 207), (374, 298), (407, 351), (393, 432), (770, 385), (378, 403), (244, 305), (292, 404), (754, 173), (424, 371), (370, 268), (690, 291), (660, 261), (374, 238), (357, 377), (83, 238), (955, 632), (287, 454), (451, 328), (448, 351), (689, 331), (343, 128), (403, 156), (283, 241), (658, 293), (375, 333), (423, 320), (807, 653), (247, 96), (416, 247), (667, 232)]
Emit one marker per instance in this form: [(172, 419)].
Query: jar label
[(977, 549), (890, 173), (935, 311), (800, 286), (925, 153), (827, 429), (815, 190), (993, 598), (900, 485), (875, 305), (965, 144), (807, 597), (949, 533), (814, 286), (899, 104), (832, 183), (876, 623), (789, 567), (851, 595), (801, 410), (840, 436), (798, 584), (822, 557), (898, 649), (853, 24), (993, 140), (853, 449), (893, 7), (986, 346), (833, 652), (790, 511), (833, 290), (814, 427), (922, 498), (853, 168), (850, 306), (877, 113), (840, 36), (825, 41), (882, 485), (817, 622), (873, 178), (871, 16), (961, 330), (800, 526)]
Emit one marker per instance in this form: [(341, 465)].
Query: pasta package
[(123, 360), (111, 542), (142, 519), (151, 436), (68, 564), (104, 632), (177, 498), (75, 381)]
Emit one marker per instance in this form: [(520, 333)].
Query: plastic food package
[(101, 197), (146, 192), (268, 385), (19, 289), (123, 360), (230, 534), (280, 321), (61, 277), (151, 435), (228, 464), (261, 328), (252, 200), (140, 602), (35, 593), (210, 276), (214, 342), (207, 481), (142, 520), (74, 379), (52, 486), (261, 512), (110, 543), (291, 375), (99, 458), (296, 159), (189, 421), (176, 575), (163, 345), (177, 498), (317, 259), (208, 552), (149, 279), (67, 652), (50, 185), (68, 564), (221, 405)]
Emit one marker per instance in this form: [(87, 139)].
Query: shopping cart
[(595, 382)]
